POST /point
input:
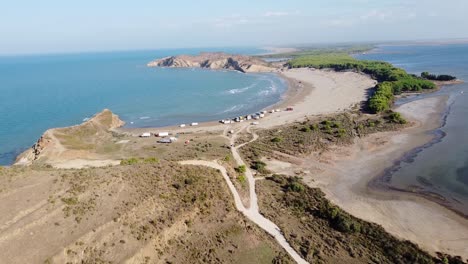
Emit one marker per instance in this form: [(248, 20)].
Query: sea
[(38, 92), (439, 169)]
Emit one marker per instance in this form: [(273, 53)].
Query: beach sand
[(310, 92), (344, 174)]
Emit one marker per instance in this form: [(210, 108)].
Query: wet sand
[(344, 175)]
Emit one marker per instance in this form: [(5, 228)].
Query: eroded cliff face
[(215, 61), (71, 142)]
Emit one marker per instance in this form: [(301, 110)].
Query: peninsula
[(290, 187), (215, 61)]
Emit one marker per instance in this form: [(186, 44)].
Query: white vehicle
[(262, 115), (249, 117), (194, 124), (163, 134), (182, 125), (145, 135), (255, 123), (256, 117)]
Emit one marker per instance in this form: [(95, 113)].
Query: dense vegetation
[(433, 77), (303, 138), (322, 49), (323, 233), (392, 80)]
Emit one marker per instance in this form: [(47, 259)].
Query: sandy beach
[(310, 92), (344, 175)]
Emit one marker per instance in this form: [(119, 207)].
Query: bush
[(70, 201), (259, 166), (314, 127), (396, 117), (276, 139), (242, 179), (151, 160), (305, 129), (295, 187), (241, 169), (130, 161)]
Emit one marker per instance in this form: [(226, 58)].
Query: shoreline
[(317, 92), (303, 88), (382, 181), (349, 171)]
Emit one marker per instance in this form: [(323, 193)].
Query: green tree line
[(392, 80)]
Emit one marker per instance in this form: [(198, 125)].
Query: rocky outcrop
[(215, 61), (53, 143)]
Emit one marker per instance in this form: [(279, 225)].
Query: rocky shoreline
[(215, 61)]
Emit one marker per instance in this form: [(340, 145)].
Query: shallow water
[(442, 168), (44, 91)]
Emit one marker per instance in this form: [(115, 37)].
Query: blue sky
[(72, 26)]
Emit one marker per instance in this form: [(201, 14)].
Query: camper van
[(145, 135), (163, 134)]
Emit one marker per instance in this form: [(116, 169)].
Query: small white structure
[(163, 134), (262, 115), (173, 139), (248, 117), (182, 125), (255, 123), (278, 110), (145, 135), (194, 124), (256, 117)]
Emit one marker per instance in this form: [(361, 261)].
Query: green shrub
[(70, 200), (397, 118), (242, 179), (295, 187), (130, 161), (314, 127), (305, 129), (259, 166), (241, 169), (276, 139), (151, 160)]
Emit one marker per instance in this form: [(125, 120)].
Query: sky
[(57, 26)]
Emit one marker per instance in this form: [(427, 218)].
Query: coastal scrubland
[(319, 134), (149, 212), (147, 208), (323, 233)]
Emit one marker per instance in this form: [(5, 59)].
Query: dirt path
[(252, 212)]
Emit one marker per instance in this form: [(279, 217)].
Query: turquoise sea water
[(441, 167), (39, 92)]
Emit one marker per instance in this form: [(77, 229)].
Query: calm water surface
[(41, 92), (442, 168)]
